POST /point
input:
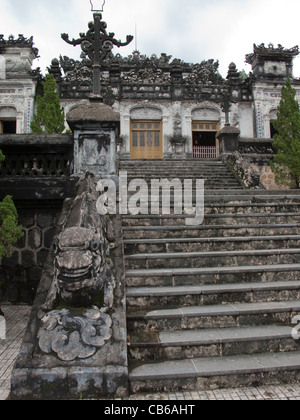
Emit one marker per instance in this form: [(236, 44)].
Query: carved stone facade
[(163, 89), (178, 93)]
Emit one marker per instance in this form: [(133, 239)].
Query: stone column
[(229, 139), (95, 126)]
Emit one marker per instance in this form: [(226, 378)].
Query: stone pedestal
[(95, 127), (229, 139), (75, 343), (178, 147)]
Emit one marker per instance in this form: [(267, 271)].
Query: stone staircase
[(214, 172), (212, 305)]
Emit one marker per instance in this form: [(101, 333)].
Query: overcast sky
[(192, 30)]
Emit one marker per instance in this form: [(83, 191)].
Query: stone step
[(212, 219), (234, 197), (133, 246), (240, 196), (211, 294), (212, 184), (212, 275), (172, 168), (215, 372), (182, 231), (165, 163), (213, 259), (256, 193), (251, 208), (222, 342), (180, 174), (212, 316)]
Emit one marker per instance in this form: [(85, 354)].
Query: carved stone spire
[(97, 44)]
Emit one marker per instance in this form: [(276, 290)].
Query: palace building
[(168, 108), (169, 303)]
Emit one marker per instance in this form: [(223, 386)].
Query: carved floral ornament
[(74, 335), (147, 76)]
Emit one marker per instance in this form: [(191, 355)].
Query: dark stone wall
[(37, 174), (20, 275)]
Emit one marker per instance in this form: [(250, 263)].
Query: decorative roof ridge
[(271, 51), (21, 42)]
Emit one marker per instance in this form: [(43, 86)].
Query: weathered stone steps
[(215, 173), (204, 231), (213, 259), (212, 305), (219, 342), (212, 275), (213, 219), (210, 244), (213, 316), (216, 372), (211, 294)]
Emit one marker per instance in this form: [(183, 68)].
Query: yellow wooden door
[(146, 140)]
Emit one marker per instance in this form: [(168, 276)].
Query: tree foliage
[(50, 116), (10, 232), (286, 165), (2, 157)]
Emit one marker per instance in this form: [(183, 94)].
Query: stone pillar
[(229, 139), (95, 126)]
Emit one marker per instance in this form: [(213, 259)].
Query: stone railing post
[(228, 139), (95, 126)]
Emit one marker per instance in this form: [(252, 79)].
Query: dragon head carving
[(80, 265)]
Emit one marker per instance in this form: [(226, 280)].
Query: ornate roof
[(140, 77), (21, 42), (271, 52)]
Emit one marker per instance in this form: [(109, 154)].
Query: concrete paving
[(16, 321), (16, 318)]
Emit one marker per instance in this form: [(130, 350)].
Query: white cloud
[(192, 30)]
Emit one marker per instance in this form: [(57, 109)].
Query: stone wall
[(37, 174), (21, 274), (267, 177)]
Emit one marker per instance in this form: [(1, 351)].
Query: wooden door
[(205, 144), (146, 140)]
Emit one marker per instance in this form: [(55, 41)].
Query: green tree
[(10, 232), (50, 116), (2, 157), (286, 165)]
